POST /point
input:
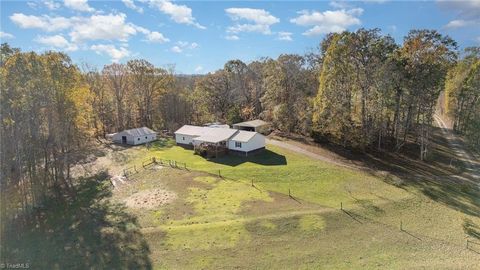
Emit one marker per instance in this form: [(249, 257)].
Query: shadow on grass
[(471, 229), (265, 158), (88, 232), (442, 177)]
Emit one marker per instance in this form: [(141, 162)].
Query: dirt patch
[(118, 180), (149, 199)]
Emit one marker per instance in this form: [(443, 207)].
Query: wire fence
[(471, 245)]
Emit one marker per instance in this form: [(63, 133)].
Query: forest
[(360, 90)]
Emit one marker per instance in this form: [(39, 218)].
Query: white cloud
[(46, 23), (193, 45), (5, 35), (259, 20), (156, 37), (198, 69), (232, 37), (130, 4), (465, 9), (328, 21), (57, 42), (115, 54), (52, 5), (176, 49), (102, 27), (32, 5), (178, 13), (152, 36), (112, 27), (184, 45), (467, 13), (458, 23), (286, 36), (340, 4), (375, 1), (79, 5)]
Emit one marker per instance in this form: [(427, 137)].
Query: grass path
[(243, 219)]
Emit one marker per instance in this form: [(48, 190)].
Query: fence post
[(219, 175), (289, 194), (401, 225), (135, 168), (185, 165), (341, 205), (467, 244), (252, 182)]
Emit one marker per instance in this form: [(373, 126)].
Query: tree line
[(360, 90), (462, 92)]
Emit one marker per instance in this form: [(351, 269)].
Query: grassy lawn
[(280, 170), (224, 222)]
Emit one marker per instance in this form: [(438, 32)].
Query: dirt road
[(302, 151), (471, 163)]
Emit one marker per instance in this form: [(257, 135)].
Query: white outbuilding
[(135, 136)]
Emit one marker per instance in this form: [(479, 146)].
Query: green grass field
[(224, 222)]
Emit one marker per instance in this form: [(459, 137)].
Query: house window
[(138, 139), (183, 138), (238, 144), (146, 137)]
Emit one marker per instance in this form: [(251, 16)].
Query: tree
[(462, 89), (427, 56), (148, 83), (116, 78), (288, 87), (45, 116)]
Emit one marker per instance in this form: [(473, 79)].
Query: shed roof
[(253, 123), (138, 131), (244, 136)]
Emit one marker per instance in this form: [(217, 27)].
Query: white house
[(246, 142), (135, 136), (236, 141)]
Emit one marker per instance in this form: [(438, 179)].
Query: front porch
[(209, 147)]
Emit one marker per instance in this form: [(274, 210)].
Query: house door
[(124, 139)]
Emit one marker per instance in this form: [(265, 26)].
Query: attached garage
[(135, 136), (246, 142)]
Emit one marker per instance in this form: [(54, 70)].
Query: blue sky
[(200, 36)]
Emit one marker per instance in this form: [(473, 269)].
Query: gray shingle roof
[(252, 123), (244, 136), (207, 134), (135, 132)]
